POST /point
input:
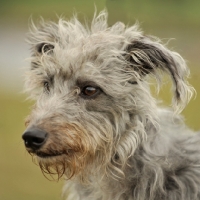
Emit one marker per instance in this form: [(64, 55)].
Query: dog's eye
[(90, 92), (46, 86)]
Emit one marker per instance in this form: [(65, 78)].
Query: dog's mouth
[(47, 155), (52, 154)]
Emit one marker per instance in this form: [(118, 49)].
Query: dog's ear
[(42, 37), (44, 48), (148, 56)]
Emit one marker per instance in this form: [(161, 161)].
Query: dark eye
[(43, 48), (46, 86), (90, 92)]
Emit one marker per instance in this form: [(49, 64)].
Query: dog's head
[(93, 100)]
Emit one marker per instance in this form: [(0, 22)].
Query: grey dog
[(95, 121)]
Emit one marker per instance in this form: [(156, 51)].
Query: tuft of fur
[(119, 144)]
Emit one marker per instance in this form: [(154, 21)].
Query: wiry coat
[(119, 144)]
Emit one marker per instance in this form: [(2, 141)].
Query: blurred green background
[(180, 19)]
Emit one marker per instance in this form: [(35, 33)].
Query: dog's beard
[(56, 166)]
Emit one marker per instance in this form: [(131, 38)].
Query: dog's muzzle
[(34, 138)]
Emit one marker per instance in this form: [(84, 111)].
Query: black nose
[(34, 138)]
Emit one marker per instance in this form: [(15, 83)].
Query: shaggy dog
[(95, 120)]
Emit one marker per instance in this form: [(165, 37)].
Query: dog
[(95, 120)]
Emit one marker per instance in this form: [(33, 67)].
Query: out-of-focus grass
[(20, 179)]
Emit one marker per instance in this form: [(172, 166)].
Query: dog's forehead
[(81, 40), (93, 44), (89, 53)]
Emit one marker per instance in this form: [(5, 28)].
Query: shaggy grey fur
[(107, 134)]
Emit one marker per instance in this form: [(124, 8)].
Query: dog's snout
[(34, 138)]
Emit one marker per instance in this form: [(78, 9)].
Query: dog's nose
[(34, 138)]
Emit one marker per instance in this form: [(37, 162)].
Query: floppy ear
[(148, 56)]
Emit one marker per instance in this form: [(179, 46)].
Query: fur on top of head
[(117, 51)]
